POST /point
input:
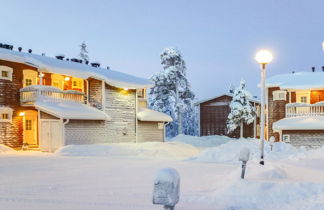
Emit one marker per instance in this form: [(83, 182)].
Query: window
[(303, 99), (6, 73), (30, 77), (5, 114), (57, 81), (279, 95), (77, 84), (28, 125), (141, 93)]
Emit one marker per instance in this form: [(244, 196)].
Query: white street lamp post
[(263, 57)]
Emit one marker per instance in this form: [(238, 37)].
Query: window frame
[(8, 111), (277, 95), (7, 69)]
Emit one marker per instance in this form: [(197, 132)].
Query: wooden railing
[(30, 95), (303, 109)]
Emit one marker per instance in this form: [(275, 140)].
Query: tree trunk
[(241, 129)]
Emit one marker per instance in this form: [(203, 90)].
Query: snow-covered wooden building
[(295, 111), (213, 113), (47, 103)]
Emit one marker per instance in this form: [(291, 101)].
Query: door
[(30, 127), (50, 135)]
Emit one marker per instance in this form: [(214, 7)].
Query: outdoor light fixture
[(126, 89), (323, 46), (22, 114), (67, 78), (263, 57), (41, 75)]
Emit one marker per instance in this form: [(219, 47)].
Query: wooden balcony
[(29, 95), (303, 109)]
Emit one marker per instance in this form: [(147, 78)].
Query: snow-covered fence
[(303, 109), (31, 94), (166, 188)]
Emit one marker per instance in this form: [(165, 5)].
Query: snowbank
[(229, 151), (167, 150), (201, 142), (6, 149)]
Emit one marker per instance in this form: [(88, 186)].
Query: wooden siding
[(316, 96), (95, 93), (213, 118), (306, 138), (149, 131), (11, 134), (44, 115), (276, 111), (120, 106)]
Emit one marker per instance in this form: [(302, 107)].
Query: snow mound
[(201, 142), (167, 150), (5, 149), (229, 151)]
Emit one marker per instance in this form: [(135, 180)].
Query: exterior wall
[(213, 119), (85, 132), (120, 106), (316, 96), (276, 110), (307, 138), (46, 116), (95, 93), (149, 131), (11, 134)]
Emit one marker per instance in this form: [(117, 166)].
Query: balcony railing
[(29, 95), (303, 109)]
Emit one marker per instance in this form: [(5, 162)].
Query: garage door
[(50, 135)]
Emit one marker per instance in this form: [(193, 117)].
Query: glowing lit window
[(77, 84), (303, 99), (28, 125)]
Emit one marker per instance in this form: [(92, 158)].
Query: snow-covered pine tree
[(84, 52), (172, 94), (241, 110)]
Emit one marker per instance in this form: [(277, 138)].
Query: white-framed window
[(57, 81), (5, 114), (141, 93), (77, 84), (303, 97), (279, 95), (30, 77), (286, 138), (6, 73)]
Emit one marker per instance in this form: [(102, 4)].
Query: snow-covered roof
[(226, 94), (299, 123), (297, 81), (71, 110), (53, 65), (145, 114)]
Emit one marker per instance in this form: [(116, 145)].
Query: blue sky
[(218, 39)]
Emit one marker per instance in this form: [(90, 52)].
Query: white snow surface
[(145, 114), (121, 176), (71, 110), (299, 123), (53, 65), (297, 81)]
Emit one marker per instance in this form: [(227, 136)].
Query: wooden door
[(50, 135), (30, 128)]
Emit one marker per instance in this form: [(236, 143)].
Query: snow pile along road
[(229, 151), (167, 150), (201, 142), (6, 149)]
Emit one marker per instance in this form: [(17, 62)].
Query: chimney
[(313, 69), (19, 49), (293, 72), (30, 50), (108, 67), (323, 68), (95, 64), (6, 46), (60, 56), (87, 62)]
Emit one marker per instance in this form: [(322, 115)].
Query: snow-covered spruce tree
[(241, 110), (84, 52), (172, 94)]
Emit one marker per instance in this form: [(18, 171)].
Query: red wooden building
[(213, 114)]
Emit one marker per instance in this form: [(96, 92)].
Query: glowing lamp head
[(41, 75), (263, 57), (22, 114), (323, 46), (125, 89), (67, 78)]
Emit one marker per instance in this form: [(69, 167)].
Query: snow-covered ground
[(120, 176)]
